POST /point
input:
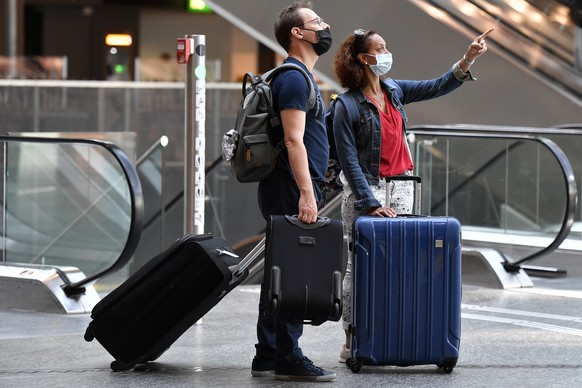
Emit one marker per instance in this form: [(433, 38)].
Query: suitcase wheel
[(354, 365), (116, 366), (447, 365)]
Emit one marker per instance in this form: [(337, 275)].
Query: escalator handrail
[(564, 129), (522, 133), (136, 197), (575, 126), (160, 143)]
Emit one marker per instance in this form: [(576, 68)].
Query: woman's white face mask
[(383, 64)]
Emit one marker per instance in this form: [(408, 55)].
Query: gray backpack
[(249, 146)]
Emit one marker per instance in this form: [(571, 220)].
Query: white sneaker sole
[(305, 378)]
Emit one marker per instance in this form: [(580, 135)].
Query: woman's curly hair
[(348, 69)]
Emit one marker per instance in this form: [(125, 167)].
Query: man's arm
[(293, 121)]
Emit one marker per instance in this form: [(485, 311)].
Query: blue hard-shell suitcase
[(406, 303)]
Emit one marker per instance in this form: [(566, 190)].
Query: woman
[(376, 147)]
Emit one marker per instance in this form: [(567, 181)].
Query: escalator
[(72, 214), (518, 184), (538, 35)]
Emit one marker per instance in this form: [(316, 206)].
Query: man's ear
[(296, 32)]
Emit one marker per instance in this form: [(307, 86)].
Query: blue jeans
[(278, 339)]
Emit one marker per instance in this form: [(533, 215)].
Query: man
[(295, 185)]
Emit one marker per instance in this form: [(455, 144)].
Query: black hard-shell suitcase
[(146, 314), (303, 269)]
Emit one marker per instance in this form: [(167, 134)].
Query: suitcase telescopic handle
[(225, 252), (415, 178), (321, 221), (250, 258), (418, 180)]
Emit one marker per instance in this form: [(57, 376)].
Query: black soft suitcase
[(146, 314), (303, 269)]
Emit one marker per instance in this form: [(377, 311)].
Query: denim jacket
[(358, 146)]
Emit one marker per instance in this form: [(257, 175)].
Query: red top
[(394, 155)]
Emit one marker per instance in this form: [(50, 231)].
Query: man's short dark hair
[(289, 18)]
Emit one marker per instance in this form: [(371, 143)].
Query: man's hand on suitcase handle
[(307, 209), (382, 212)]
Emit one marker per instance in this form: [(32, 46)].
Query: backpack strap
[(268, 76), (288, 66), (353, 112), (352, 108)]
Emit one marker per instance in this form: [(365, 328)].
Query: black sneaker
[(263, 367), (302, 370)]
